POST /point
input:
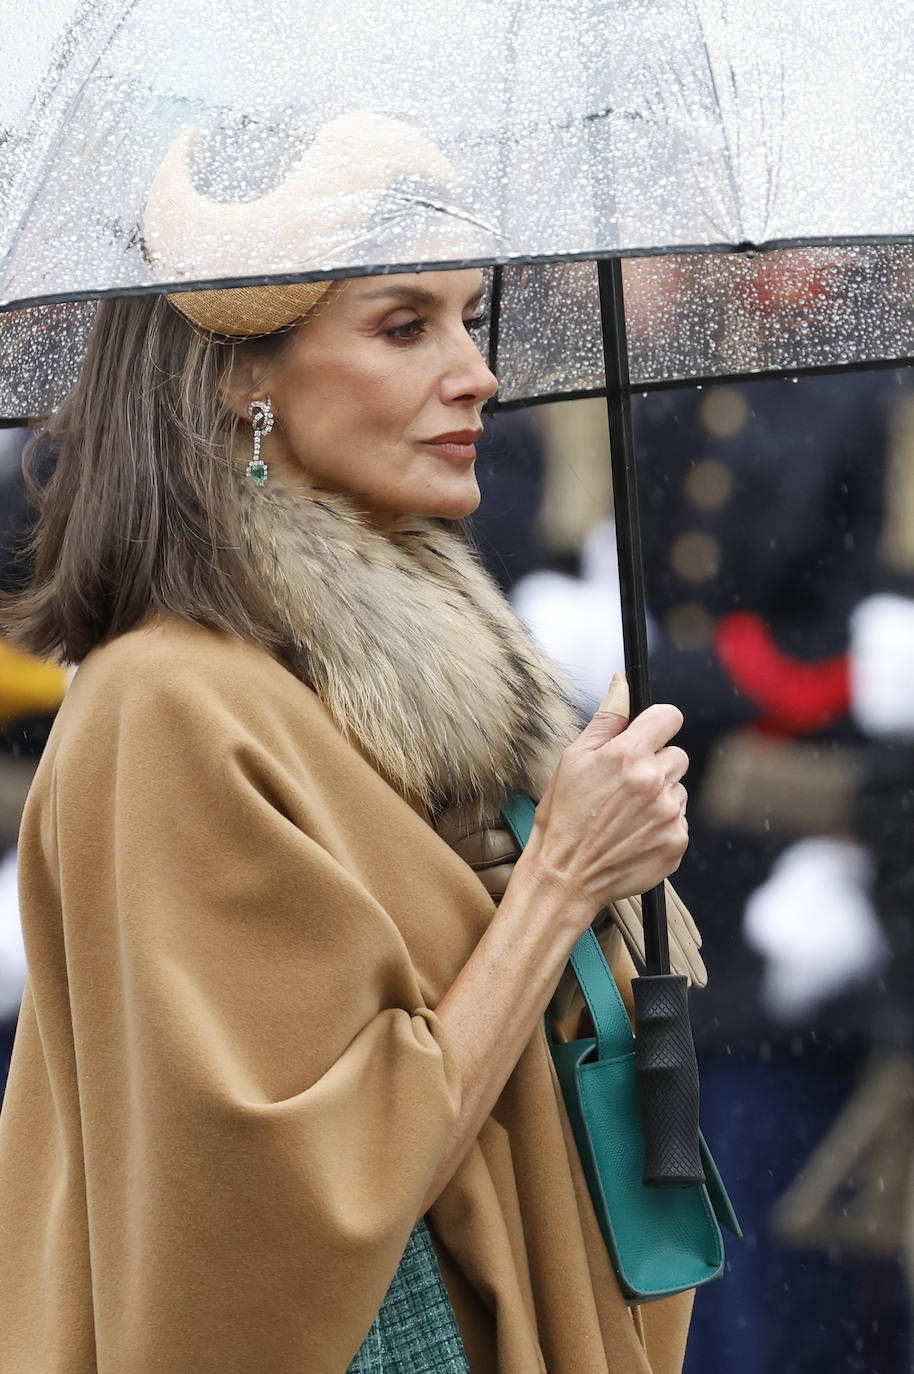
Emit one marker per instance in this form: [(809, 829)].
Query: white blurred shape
[(577, 620), (882, 666), (814, 925)]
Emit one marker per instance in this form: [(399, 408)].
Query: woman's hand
[(612, 822)]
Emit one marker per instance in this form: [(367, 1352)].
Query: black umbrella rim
[(746, 248), (492, 262)]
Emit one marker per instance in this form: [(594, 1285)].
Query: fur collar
[(411, 646)]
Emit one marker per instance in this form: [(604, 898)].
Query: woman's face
[(379, 396)]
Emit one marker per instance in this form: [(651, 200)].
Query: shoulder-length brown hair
[(137, 516)]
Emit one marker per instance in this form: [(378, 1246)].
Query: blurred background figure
[(763, 511), (857, 1191), (30, 693), (763, 518)]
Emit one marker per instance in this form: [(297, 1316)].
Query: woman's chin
[(453, 500), (454, 503), (460, 510)]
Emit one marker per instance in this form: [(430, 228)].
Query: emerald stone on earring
[(257, 471)]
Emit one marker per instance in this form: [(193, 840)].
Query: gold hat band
[(246, 311)]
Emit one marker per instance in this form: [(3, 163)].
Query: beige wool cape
[(230, 1091)]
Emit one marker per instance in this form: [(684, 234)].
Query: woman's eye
[(413, 330), (408, 332)]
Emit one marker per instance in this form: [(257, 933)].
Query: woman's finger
[(675, 762), (655, 727)]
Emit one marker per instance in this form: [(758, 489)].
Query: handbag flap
[(717, 1193)]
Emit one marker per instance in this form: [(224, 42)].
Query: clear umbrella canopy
[(148, 145)]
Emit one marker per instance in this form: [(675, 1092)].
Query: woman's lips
[(459, 443), (467, 452)]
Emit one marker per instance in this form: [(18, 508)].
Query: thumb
[(611, 716)]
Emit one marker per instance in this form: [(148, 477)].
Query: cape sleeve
[(264, 1098)]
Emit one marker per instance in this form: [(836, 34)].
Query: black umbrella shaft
[(628, 540)]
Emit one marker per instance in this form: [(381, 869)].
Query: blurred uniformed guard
[(762, 510)]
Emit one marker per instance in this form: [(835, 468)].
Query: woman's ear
[(237, 386)]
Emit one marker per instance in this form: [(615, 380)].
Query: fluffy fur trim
[(411, 646)]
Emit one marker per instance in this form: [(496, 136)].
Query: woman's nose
[(469, 377)]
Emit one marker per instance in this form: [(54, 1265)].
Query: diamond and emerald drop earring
[(261, 413)]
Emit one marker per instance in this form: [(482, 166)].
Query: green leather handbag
[(660, 1240)]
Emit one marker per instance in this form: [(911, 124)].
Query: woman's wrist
[(493, 1006), (547, 897)]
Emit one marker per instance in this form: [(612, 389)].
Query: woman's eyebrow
[(417, 295)]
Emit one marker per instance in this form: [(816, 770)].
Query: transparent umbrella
[(147, 146)]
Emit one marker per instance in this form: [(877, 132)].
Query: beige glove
[(684, 935)]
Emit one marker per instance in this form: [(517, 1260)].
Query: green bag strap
[(604, 1001), (607, 1010)]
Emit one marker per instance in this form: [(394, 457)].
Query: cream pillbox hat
[(325, 201)]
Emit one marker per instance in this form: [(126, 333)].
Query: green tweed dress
[(415, 1331)]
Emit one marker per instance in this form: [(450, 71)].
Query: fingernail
[(617, 698)]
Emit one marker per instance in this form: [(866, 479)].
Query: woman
[(273, 1019)]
